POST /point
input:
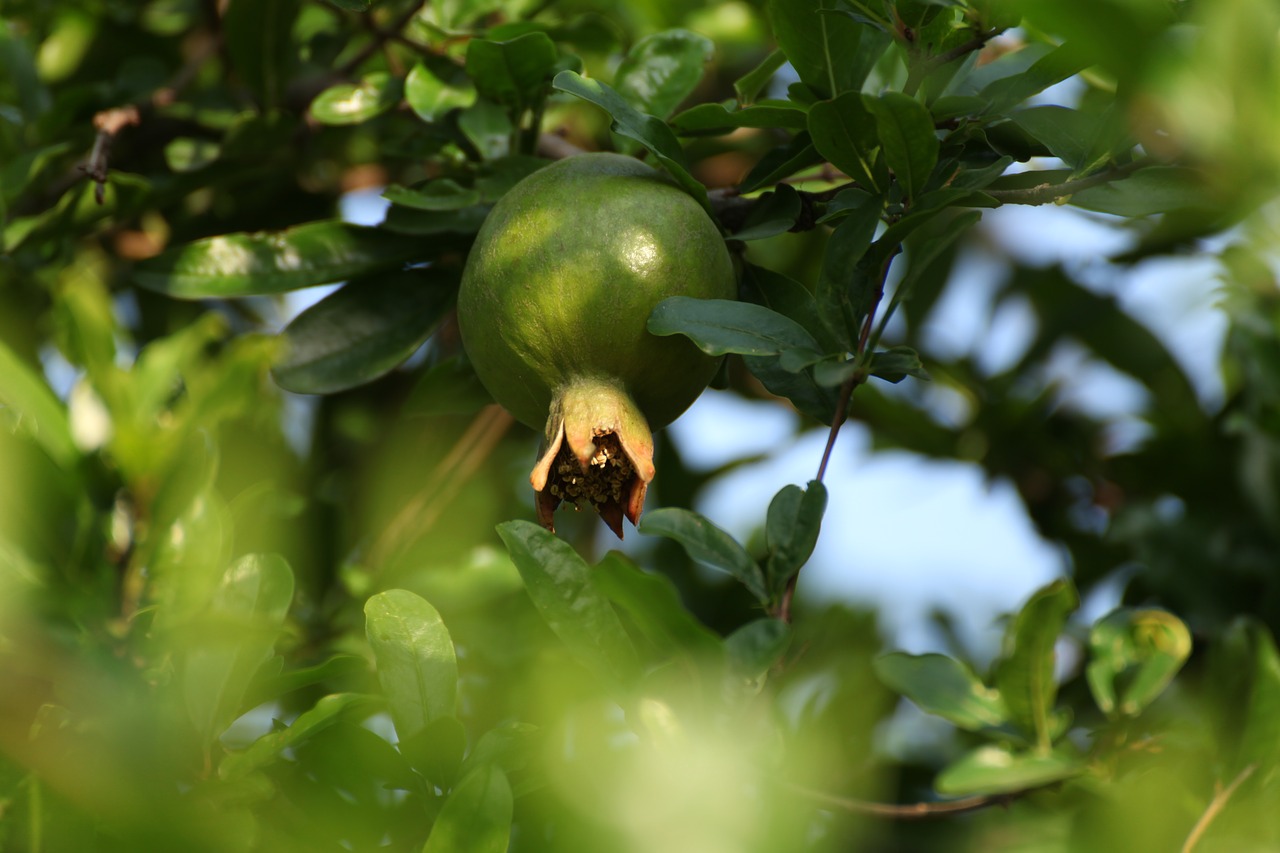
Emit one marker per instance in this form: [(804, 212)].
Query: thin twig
[(1216, 805), (424, 509), (912, 811), (380, 38), (916, 76), (108, 123), (1047, 192)]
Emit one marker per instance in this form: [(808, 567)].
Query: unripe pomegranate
[(553, 308)]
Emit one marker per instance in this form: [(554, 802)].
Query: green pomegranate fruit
[(553, 309)]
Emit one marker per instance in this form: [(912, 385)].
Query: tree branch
[(1216, 805), (912, 811), (1047, 192)]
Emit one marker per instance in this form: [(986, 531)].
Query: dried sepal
[(597, 451)]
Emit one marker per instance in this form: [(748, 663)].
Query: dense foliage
[(234, 617)]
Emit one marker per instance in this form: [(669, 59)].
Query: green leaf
[(233, 637), (845, 284), (476, 817), (751, 84), (661, 70), (720, 326), (507, 746), (844, 132), (349, 103), (440, 194), (562, 589), (1133, 655), (782, 162), (653, 604), (258, 38), (363, 331), (436, 750), (1147, 192), (352, 5), (791, 530), (417, 667), (808, 397), (1057, 65), (340, 667), (753, 649), (488, 127), (944, 687), (707, 544), (34, 410), (337, 707), (1260, 730), (773, 213), (907, 138), (832, 53), (715, 119), (649, 131), (897, 363), (411, 221), (513, 72), (271, 262), (789, 298), (430, 97), (1025, 676), (998, 770)]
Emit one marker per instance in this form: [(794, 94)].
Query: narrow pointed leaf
[(791, 529), (844, 132), (907, 138), (707, 544), (720, 326), (562, 589), (750, 85), (1025, 675), (33, 409)]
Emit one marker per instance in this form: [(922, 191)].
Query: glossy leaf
[(34, 410), (661, 70), (1133, 655), (235, 635), (832, 53), (337, 707), (791, 530), (707, 544), (1025, 674), (562, 589), (476, 817), (1147, 192), (907, 138), (753, 649), (749, 86), (1052, 67), (271, 262), (808, 397), (512, 72), (720, 326), (845, 285), (649, 131), (362, 331), (348, 103), (844, 132), (417, 667), (653, 605), (430, 97), (719, 118), (942, 686), (998, 769)]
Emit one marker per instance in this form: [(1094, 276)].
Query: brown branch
[(108, 123), (380, 38), (1048, 192), (1216, 805), (913, 811)]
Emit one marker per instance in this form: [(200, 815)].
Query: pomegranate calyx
[(597, 451)]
